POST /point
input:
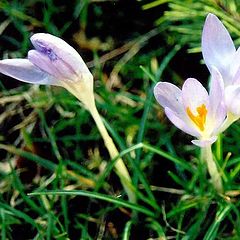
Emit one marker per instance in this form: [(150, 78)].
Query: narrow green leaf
[(33, 157), (21, 215), (220, 216), (99, 196), (126, 231)]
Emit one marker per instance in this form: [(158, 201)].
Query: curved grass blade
[(126, 231), (99, 196)]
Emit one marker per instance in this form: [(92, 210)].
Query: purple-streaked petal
[(180, 122), (217, 46), (194, 95), (25, 71), (57, 49), (168, 95), (205, 142), (232, 99), (56, 68)]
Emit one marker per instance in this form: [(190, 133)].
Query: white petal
[(232, 98), (168, 95), (217, 46), (217, 109), (235, 68), (236, 79), (57, 67), (205, 142), (25, 71), (180, 122), (220, 118), (216, 95), (194, 95)]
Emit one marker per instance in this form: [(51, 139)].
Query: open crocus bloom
[(219, 52), (53, 62), (192, 109)]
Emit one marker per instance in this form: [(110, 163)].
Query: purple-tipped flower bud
[(53, 62), (56, 57)]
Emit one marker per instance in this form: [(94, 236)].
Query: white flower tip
[(217, 46), (191, 84), (167, 94), (211, 27), (45, 42), (36, 36), (211, 16), (156, 88), (191, 80), (42, 36), (211, 22)]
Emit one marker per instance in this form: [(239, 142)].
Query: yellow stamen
[(200, 118)]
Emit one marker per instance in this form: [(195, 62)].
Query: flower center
[(200, 118)]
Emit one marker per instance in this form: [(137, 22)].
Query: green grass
[(57, 180)]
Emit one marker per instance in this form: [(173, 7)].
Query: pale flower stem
[(207, 156), (86, 96), (120, 167)]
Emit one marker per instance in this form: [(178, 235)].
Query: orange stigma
[(200, 118)]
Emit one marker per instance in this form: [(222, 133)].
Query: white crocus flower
[(192, 109), (197, 113), (220, 53), (54, 62)]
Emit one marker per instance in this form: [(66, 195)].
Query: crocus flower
[(52, 62), (192, 109), (220, 53)]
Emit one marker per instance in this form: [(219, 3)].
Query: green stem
[(207, 156), (86, 96)]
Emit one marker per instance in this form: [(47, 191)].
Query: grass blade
[(99, 196)]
